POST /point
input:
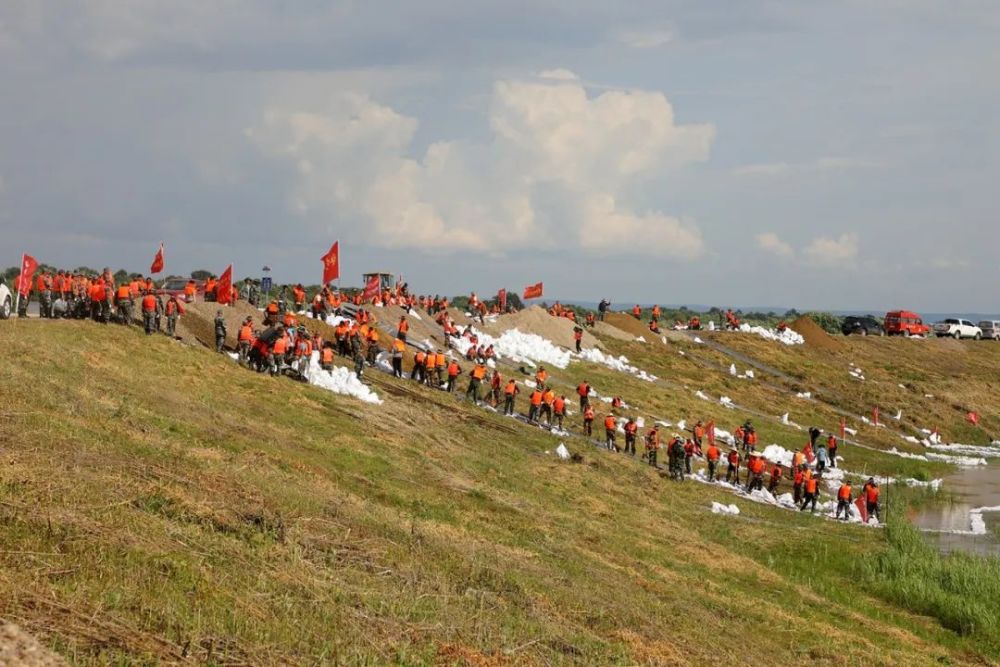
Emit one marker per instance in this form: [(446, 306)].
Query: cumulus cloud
[(770, 242), (553, 175), (829, 252)]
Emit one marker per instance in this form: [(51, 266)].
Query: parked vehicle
[(6, 300), (991, 329), (175, 287), (905, 323), (864, 325), (957, 329)]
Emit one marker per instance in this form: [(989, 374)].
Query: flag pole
[(20, 280)]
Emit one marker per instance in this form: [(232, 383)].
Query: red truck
[(905, 323)]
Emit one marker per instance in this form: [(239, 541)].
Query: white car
[(991, 329), (6, 300), (957, 329)]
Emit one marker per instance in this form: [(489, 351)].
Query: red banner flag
[(28, 266), (372, 288), (331, 263), (843, 430), (502, 300), (710, 432), (532, 291), (224, 288), (862, 507), (973, 418), (875, 415), (157, 261)]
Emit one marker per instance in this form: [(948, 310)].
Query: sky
[(833, 155)]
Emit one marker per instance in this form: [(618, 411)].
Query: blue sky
[(827, 155)]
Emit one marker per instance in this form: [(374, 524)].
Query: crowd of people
[(285, 346)]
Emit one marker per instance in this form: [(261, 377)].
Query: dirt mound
[(19, 648), (197, 325), (605, 329), (536, 320), (814, 334), (629, 324)]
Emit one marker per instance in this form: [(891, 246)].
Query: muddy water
[(977, 486)]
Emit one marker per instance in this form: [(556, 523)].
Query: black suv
[(866, 325)]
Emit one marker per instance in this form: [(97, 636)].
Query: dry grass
[(160, 504)]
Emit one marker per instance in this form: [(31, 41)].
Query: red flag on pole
[(973, 418), (532, 291), (157, 261), (224, 288), (502, 300), (843, 430), (331, 263), (862, 507), (28, 266), (371, 289), (875, 415), (710, 432)]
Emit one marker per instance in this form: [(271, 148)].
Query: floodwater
[(948, 525)]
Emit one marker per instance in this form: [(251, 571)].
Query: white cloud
[(830, 252), (770, 242), (648, 38), (551, 177), (823, 164)]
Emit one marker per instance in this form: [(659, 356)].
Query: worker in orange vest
[(509, 392), (699, 434), (326, 357), (123, 299), (398, 346), (190, 291), (588, 421), (712, 456), (578, 339), (548, 397), (637, 312), (496, 388), (652, 444), (173, 310), (870, 492), (559, 411), (812, 493), (656, 313), (798, 480), (402, 328), (476, 377), (149, 312), (844, 500), (831, 448), (776, 474), (534, 404), (583, 391), (419, 372), (755, 472), (244, 339), (631, 429), (610, 426), (733, 467), (541, 376), (299, 297), (454, 370)]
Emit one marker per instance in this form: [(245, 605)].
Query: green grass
[(159, 504)]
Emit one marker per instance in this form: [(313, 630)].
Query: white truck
[(957, 328), (6, 300)]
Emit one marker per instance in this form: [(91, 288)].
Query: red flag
[(532, 291), (973, 418), (28, 266), (331, 263), (502, 300), (371, 289), (862, 507), (224, 288), (875, 415), (710, 432), (843, 430), (157, 261)]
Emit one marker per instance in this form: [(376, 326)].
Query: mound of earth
[(629, 324), (815, 336), (197, 324), (605, 329), (536, 320), (19, 648)]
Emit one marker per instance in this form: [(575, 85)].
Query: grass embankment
[(159, 503)]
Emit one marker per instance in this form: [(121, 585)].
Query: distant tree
[(514, 301), (11, 272), (201, 274), (121, 276), (791, 314), (829, 322), (85, 271)]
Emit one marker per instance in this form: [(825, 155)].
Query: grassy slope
[(158, 502)]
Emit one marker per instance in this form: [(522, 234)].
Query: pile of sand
[(806, 327), (197, 325), (630, 325), (536, 320), (605, 329), (19, 648)]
